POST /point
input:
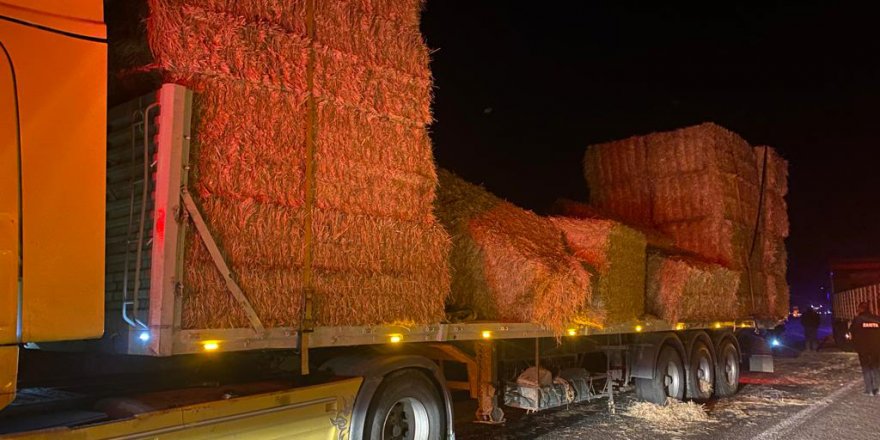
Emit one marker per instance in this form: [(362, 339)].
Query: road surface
[(811, 396)]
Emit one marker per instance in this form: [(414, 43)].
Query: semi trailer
[(95, 207)]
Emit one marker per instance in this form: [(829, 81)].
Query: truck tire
[(406, 406), (701, 372), (669, 379), (727, 369)]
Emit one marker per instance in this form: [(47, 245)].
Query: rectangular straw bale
[(368, 164), (346, 80), (775, 215), (717, 240), (252, 233), (778, 297), (578, 210), (387, 35), (248, 142), (617, 254), (355, 298), (771, 295), (630, 201), (362, 243), (774, 255), (683, 289), (274, 292), (508, 263), (777, 169), (287, 14), (191, 40), (615, 162), (373, 140), (697, 148)]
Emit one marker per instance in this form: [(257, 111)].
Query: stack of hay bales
[(617, 254), (681, 288), (311, 161), (510, 264), (774, 230), (701, 187)]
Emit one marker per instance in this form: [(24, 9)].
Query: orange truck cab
[(53, 107)]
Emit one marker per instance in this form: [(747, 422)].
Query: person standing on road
[(810, 322), (865, 332)]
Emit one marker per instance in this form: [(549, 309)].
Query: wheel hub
[(407, 419), (672, 380)]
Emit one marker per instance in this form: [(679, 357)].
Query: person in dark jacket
[(865, 331), (810, 322)]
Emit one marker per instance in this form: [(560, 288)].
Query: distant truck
[(148, 378), (852, 282)]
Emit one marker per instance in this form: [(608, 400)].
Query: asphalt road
[(811, 396)]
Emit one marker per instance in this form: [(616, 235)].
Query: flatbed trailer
[(356, 365), (335, 382)]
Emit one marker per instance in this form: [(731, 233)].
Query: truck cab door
[(10, 181)]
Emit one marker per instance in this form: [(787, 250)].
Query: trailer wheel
[(727, 369), (668, 382), (701, 374), (406, 406)]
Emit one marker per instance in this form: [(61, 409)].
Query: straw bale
[(775, 215), (684, 289), (615, 162), (275, 293), (190, 40), (370, 165), (252, 233), (617, 253), (248, 142), (508, 263), (777, 169), (578, 210), (353, 298), (367, 244), (286, 14), (346, 80), (774, 255), (685, 196), (375, 140), (390, 38), (716, 240), (630, 201), (777, 296), (703, 147)]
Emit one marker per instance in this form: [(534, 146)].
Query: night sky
[(521, 88)]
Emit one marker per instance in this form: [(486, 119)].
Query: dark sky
[(523, 87)]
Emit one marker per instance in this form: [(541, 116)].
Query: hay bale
[(617, 254), (510, 264), (569, 208), (683, 289), (686, 196), (777, 169), (715, 240)]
